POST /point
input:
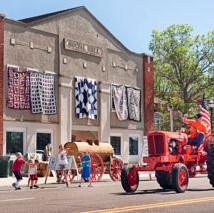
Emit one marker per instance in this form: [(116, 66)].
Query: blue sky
[(131, 21)]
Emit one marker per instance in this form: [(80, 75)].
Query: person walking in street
[(62, 164), (33, 164), (16, 169), (86, 169)]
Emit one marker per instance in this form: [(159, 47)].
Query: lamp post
[(211, 107)]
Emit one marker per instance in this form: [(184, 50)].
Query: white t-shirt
[(32, 170), (62, 158)]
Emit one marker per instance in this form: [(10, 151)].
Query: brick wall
[(1, 80), (148, 93)]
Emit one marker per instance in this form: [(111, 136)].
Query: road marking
[(18, 199), (151, 206)]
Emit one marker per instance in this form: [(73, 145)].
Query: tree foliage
[(184, 65)]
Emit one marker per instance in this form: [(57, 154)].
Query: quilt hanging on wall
[(18, 89), (134, 103), (120, 101), (43, 99), (86, 98)]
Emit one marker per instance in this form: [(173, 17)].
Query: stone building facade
[(67, 44)]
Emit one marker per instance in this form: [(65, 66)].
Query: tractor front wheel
[(180, 177), (164, 179), (129, 179)]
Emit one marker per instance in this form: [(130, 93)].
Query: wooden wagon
[(102, 159)]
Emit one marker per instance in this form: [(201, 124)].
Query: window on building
[(14, 142), (42, 139), (133, 145), (116, 144)]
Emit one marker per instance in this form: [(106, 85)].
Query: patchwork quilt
[(86, 98), (43, 98), (120, 101), (18, 89)]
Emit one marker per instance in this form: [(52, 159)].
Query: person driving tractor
[(198, 129)]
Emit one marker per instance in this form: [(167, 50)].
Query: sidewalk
[(8, 181)]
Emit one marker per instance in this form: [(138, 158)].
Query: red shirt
[(17, 165)]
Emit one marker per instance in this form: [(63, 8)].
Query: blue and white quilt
[(86, 97)]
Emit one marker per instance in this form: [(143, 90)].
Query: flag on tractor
[(205, 116)]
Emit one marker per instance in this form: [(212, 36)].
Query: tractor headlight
[(172, 146), (170, 149)]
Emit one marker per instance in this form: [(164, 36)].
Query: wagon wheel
[(72, 174), (116, 166), (97, 168)]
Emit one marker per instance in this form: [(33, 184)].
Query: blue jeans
[(197, 141)]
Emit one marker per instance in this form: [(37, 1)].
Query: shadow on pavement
[(47, 187), (6, 190), (199, 190), (199, 176), (151, 191), (147, 180)]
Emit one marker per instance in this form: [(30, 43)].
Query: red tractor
[(173, 161)]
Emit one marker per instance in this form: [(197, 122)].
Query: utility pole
[(170, 109)]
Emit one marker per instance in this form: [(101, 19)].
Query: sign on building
[(78, 46)]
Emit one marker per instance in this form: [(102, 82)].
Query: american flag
[(205, 115)]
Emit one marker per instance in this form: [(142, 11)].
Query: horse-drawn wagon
[(102, 159)]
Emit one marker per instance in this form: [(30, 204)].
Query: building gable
[(45, 22)]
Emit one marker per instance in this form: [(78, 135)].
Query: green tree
[(184, 65)]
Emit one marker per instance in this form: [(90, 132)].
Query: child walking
[(16, 169), (33, 173), (62, 164)]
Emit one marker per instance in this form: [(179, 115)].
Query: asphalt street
[(108, 197)]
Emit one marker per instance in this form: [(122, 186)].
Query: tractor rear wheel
[(180, 177), (129, 179), (210, 160), (164, 179)]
